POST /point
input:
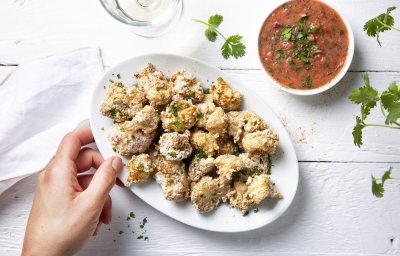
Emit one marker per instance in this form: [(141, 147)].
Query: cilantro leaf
[(211, 34), (357, 131), (233, 47), (378, 187), (391, 102), (215, 20), (379, 24), (367, 96)]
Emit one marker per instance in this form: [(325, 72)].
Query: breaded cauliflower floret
[(241, 123), (217, 122), (253, 165), (175, 187), (136, 136), (162, 165), (261, 142), (146, 119), (186, 87), (199, 167), (204, 141), (246, 195), (224, 96), (227, 165), (127, 140), (122, 102), (175, 146), (156, 86), (227, 146), (207, 193), (139, 168), (205, 109), (179, 116)]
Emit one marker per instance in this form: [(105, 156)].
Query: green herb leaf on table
[(379, 24), (233, 45), (378, 187)]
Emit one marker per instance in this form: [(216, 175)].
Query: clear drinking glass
[(148, 18)]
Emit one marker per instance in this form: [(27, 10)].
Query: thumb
[(104, 179)]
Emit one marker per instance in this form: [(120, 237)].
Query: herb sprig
[(233, 45), (380, 23), (389, 102)]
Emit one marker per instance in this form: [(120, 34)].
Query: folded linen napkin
[(39, 103)]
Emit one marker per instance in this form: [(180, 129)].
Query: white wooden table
[(334, 212)]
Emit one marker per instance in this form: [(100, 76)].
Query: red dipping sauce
[(303, 44)]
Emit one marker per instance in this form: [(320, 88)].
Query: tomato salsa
[(303, 44)]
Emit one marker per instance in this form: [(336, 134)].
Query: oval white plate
[(285, 172)]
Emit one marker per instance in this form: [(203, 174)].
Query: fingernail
[(117, 164)]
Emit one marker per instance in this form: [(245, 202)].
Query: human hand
[(67, 208)]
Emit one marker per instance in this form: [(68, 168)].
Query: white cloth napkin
[(39, 103)]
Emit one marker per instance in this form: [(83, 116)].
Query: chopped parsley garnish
[(172, 154), (308, 82), (118, 76), (111, 81), (200, 153), (245, 213), (158, 89), (191, 95), (114, 149), (200, 115), (278, 54), (256, 210), (113, 112), (120, 232), (102, 128), (175, 109), (178, 123), (284, 6), (143, 223), (141, 167), (140, 237), (132, 215), (206, 90)]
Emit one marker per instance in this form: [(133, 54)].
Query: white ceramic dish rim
[(335, 80), (107, 74)]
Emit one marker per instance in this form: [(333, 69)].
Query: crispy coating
[(122, 102), (139, 168), (204, 141), (162, 165), (227, 146), (261, 142), (257, 188), (175, 146), (136, 136), (175, 186), (224, 96), (186, 87), (227, 165), (179, 116), (205, 109), (217, 122), (207, 193), (241, 123), (199, 167), (156, 85)]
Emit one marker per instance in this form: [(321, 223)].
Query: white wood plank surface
[(333, 213)]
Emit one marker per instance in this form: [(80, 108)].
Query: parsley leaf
[(200, 153), (379, 24), (378, 187), (172, 154), (232, 47)]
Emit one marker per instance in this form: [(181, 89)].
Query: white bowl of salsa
[(305, 46)]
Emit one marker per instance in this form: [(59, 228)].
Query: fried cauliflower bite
[(257, 188), (139, 168), (207, 193), (241, 123), (227, 146), (186, 87), (204, 141), (156, 85), (205, 109), (175, 186), (224, 96), (122, 102), (260, 142), (217, 122), (179, 116), (227, 165), (199, 167), (162, 165), (175, 146), (256, 164), (136, 136), (128, 141)]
